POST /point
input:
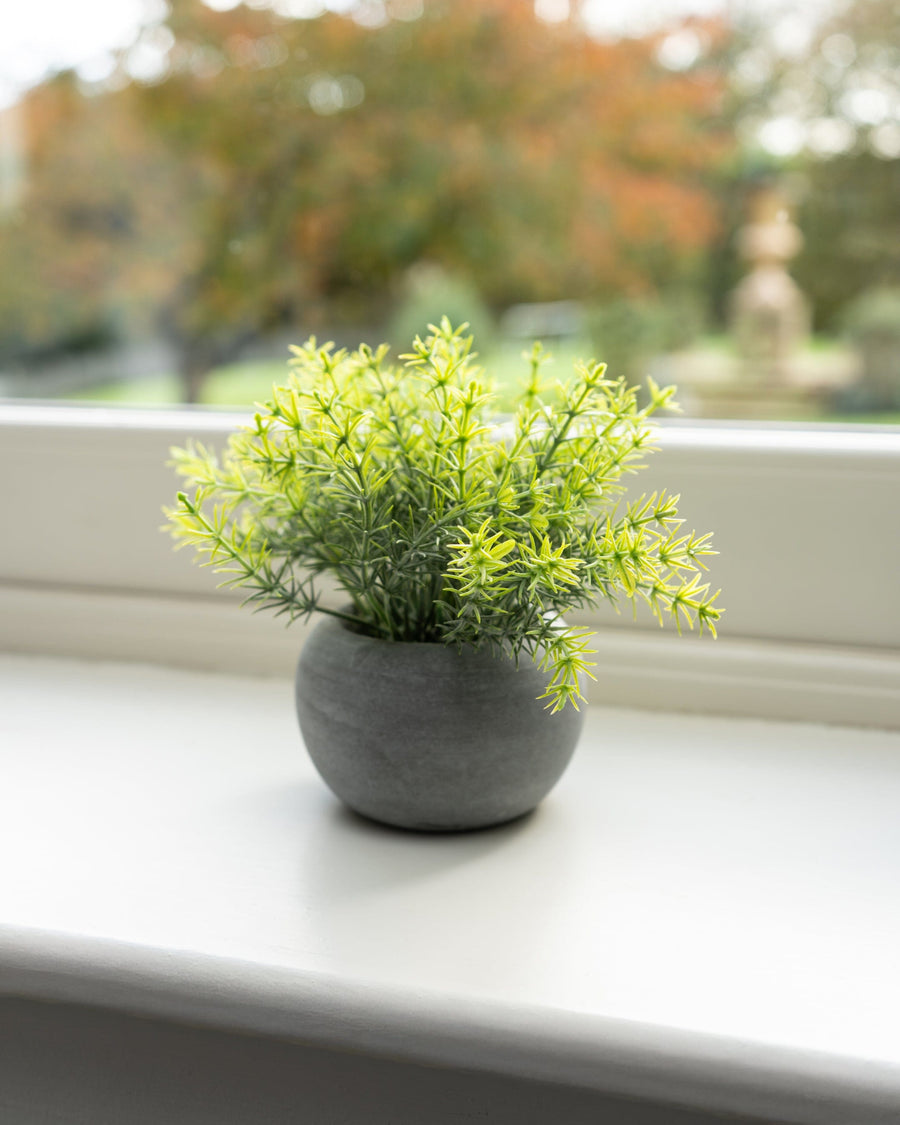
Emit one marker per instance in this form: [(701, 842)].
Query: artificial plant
[(439, 522)]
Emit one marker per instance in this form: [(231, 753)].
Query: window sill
[(807, 564), (641, 668), (702, 914)]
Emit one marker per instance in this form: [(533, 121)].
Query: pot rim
[(327, 619), (335, 624)]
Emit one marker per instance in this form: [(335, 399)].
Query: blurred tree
[(851, 204), (815, 104), (278, 169), (331, 156), (93, 244), (850, 216)]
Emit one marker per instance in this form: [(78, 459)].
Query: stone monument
[(769, 314)]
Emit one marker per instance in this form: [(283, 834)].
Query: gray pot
[(423, 736)]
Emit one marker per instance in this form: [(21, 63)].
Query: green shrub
[(877, 311), (432, 294), (629, 332), (872, 323), (683, 320)]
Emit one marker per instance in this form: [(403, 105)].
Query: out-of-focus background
[(705, 192)]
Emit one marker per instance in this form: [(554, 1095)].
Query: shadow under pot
[(426, 737)]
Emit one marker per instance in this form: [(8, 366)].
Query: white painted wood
[(207, 632), (805, 518), (634, 668), (705, 910), (62, 1063), (762, 679)]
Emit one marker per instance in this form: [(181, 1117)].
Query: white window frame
[(805, 519)]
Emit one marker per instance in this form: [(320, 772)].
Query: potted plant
[(440, 690)]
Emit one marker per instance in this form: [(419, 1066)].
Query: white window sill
[(800, 515), (704, 913)]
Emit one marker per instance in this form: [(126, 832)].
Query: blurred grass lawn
[(241, 385)]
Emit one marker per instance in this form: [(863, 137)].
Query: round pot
[(423, 736)]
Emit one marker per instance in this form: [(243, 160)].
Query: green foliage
[(875, 313), (433, 293), (630, 331), (440, 523), (849, 218), (872, 323)]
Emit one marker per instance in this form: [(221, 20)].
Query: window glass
[(708, 193)]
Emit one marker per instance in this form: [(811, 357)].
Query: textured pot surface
[(423, 736)]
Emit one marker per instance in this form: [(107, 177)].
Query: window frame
[(804, 518)]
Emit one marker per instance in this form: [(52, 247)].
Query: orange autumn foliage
[(319, 159)]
